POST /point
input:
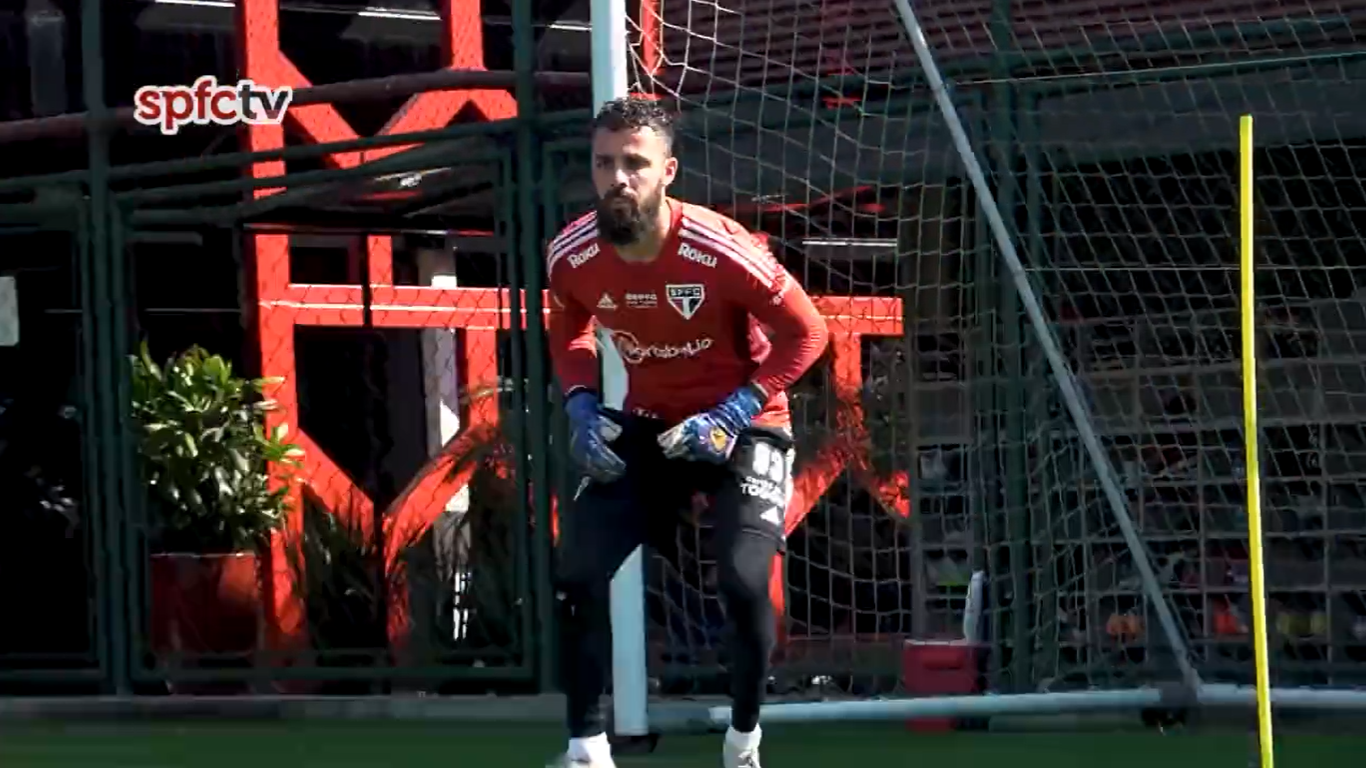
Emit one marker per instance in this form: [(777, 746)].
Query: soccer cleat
[(733, 756), (565, 761)]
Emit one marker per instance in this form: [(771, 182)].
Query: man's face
[(631, 171)]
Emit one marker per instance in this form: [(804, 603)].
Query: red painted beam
[(262, 60), (651, 38), (411, 306), (478, 313)]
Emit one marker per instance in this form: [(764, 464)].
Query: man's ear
[(670, 170)]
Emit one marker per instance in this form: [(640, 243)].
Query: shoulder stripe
[(582, 231), (745, 255), (731, 253), (569, 246), (574, 228)]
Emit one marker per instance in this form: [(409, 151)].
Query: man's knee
[(743, 571), (598, 531)]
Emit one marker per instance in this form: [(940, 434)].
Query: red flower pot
[(205, 605)]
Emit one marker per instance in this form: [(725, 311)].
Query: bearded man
[(712, 331)]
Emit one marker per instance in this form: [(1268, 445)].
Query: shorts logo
[(642, 300), (577, 260), (606, 302), (698, 257), (686, 298), (769, 479)]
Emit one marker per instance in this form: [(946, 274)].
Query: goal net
[(1089, 466)]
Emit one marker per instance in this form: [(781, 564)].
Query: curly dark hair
[(633, 112)]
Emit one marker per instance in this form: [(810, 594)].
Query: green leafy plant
[(345, 583), (344, 580), (207, 457), (340, 576)]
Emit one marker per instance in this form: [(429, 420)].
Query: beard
[(622, 221)]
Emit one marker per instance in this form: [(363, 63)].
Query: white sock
[(744, 741), (592, 748)]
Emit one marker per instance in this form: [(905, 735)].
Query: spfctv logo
[(169, 107)]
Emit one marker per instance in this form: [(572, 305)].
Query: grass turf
[(344, 745)]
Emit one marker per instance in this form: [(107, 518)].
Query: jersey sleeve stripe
[(749, 252), (573, 236), (763, 269), (575, 228), (582, 239), (567, 248), (729, 251)]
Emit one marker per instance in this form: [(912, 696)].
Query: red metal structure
[(258, 28), (477, 314)]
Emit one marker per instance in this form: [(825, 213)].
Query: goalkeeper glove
[(589, 433), (711, 436)]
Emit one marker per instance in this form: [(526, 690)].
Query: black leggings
[(606, 522)]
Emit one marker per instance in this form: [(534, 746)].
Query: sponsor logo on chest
[(642, 300), (635, 352), (692, 254), (686, 298)]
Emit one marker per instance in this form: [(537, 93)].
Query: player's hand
[(711, 436), (589, 434)]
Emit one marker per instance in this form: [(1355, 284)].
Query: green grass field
[(398, 745)]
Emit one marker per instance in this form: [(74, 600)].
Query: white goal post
[(630, 673)]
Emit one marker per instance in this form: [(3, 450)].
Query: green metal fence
[(1118, 181), (52, 471)]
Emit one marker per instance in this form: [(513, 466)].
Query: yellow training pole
[(1256, 562)]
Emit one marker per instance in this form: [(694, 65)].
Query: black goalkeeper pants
[(606, 522)]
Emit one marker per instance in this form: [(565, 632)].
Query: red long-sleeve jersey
[(689, 325)]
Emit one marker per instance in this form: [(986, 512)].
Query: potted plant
[(207, 461)]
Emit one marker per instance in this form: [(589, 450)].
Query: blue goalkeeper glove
[(711, 436), (589, 433)]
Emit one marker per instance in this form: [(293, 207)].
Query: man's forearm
[(799, 339), (576, 369)]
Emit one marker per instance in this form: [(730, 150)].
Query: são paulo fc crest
[(687, 298)]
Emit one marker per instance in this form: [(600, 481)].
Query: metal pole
[(630, 673), (538, 416), (108, 304)]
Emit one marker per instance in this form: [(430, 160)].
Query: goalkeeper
[(685, 294)]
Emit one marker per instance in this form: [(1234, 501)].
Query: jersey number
[(773, 465), (768, 462)]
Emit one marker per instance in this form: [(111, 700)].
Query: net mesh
[(936, 444)]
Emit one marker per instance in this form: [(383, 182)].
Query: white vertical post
[(630, 677), (441, 394)]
